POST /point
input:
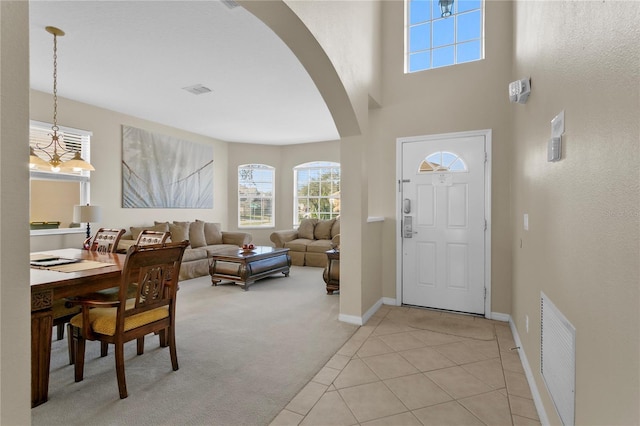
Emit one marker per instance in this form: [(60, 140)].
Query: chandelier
[(55, 149)]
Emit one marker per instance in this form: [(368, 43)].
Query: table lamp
[(87, 214)]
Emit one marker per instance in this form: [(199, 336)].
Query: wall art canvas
[(160, 171)]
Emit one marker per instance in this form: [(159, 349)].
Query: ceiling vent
[(230, 4), (197, 89)]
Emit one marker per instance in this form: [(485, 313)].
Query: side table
[(331, 274)]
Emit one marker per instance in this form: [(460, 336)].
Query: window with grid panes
[(434, 41), (255, 196), (317, 191)]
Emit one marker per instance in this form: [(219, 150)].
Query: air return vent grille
[(558, 359)]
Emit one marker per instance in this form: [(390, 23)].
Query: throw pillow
[(159, 226), (305, 230), (196, 234), (179, 231), (322, 230), (335, 229), (212, 233)]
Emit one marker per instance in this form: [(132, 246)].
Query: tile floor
[(410, 366)]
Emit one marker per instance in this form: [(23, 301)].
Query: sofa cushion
[(196, 234), (319, 246), (194, 254), (319, 260), (299, 244), (159, 226), (297, 258), (218, 248), (335, 229), (124, 245), (322, 230), (212, 233), (305, 230), (179, 231), (165, 224)]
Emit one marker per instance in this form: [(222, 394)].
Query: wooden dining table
[(48, 285)]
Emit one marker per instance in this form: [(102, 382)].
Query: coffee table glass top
[(241, 253)]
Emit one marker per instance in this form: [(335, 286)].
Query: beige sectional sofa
[(308, 244), (205, 238)]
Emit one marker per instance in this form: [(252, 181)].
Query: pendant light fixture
[(56, 148), (446, 6)]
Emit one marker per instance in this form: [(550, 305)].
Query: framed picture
[(160, 171)]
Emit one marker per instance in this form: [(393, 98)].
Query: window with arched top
[(316, 191), (256, 196), (442, 161)]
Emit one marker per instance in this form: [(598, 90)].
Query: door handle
[(407, 227)]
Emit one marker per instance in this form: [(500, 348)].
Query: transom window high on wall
[(435, 38), (317, 191), (255, 195)]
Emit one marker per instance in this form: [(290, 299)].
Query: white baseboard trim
[(372, 310), (352, 319), (499, 316), (390, 301), (537, 400)]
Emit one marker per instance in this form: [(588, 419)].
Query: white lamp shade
[(87, 214)]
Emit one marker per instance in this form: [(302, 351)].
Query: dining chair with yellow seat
[(155, 269), (105, 241), (145, 238)]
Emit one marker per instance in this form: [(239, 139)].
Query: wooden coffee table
[(246, 267)]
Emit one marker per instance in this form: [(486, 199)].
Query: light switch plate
[(526, 222), (554, 149)]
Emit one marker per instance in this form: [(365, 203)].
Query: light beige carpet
[(243, 356)]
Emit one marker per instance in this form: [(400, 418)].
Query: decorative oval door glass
[(442, 161)]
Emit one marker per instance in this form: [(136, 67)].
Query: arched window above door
[(442, 161)]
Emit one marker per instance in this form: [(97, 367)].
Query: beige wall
[(284, 159), (582, 247), (15, 328), (63, 194), (106, 157), (350, 35), (464, 97), (106, 148)]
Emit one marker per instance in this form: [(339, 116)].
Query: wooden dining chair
[(147, 237), (155, 269), (105, 241)]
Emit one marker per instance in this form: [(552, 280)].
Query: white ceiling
[(135, 57)]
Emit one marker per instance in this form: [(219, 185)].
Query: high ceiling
[(135, 57)]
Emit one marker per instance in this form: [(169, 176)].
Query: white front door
[(443, 223)]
